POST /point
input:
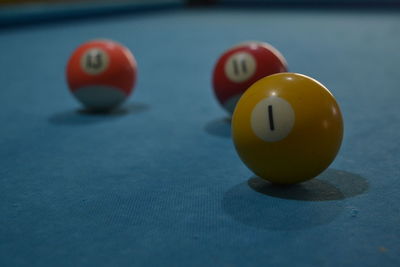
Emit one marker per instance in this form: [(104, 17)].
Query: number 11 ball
[(241, 66), (101, 74), (287, 128)]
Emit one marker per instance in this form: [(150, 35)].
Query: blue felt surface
[(15, 15), (158, 183)]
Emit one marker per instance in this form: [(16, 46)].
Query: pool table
[(158, 182)]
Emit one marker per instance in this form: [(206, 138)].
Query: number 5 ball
[(287, 128), (241, 66), (101, 74)]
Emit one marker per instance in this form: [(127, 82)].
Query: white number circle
[(240, 66), (94, 61), (272, 119)]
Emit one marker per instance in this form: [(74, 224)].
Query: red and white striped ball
[(241, 66), (101, 74)]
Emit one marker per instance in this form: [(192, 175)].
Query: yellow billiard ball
[(287, 128)]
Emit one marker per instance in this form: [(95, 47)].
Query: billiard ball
[(101, 74), (287, 128), (241, 66)]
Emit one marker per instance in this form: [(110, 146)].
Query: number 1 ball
[(101, 74), (287, 128), (241, 66)]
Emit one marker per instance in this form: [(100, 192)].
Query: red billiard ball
[(241, 66), (101, 74)]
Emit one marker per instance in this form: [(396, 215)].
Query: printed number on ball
[(272, 119), (94, 61), (240, 67)]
